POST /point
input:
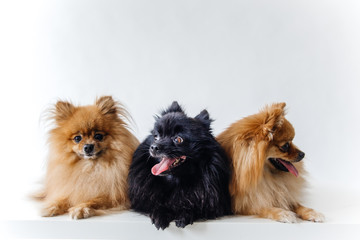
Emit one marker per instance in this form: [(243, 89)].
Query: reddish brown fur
[(257, 187), (83, 186)]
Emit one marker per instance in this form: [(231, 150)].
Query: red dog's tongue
[(162, 166), (289, 167)]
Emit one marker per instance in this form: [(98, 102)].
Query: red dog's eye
[(178, 140), (285, 147)]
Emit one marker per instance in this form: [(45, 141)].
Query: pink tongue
[(162, 166), (289, 167)]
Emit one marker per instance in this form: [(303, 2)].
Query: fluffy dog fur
[(180, 172), (268, 176), (89, 157)]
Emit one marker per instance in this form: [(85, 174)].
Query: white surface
[(230, 57), (341, 208)]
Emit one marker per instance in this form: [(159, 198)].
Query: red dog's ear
[(63, 110), (273, 119), (248, 165)]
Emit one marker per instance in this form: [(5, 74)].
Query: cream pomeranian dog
[(90, 151)]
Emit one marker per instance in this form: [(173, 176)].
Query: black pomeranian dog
[(180, 172)]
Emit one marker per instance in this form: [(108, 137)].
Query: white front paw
[(81, 212), (315, 216), (287, 217)]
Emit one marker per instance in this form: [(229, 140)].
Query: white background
[(230, 57)]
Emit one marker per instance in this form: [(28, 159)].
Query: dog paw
[(183, 221), (287, 217), (313, 216), (309, 214), (81, 212), (52, 211), (160, 221)]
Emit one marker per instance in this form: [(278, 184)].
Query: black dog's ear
[(157, 117), (175, 107), (204, 118)]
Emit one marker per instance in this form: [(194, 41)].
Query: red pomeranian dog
[(268, 176)]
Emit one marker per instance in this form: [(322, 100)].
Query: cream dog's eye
[(178, 140), (77, 139), (285, 147), (98, 137)]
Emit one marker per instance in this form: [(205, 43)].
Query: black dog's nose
[(154, 147), (300, 156), (88, 148)]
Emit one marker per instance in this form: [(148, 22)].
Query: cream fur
[(83, 186)]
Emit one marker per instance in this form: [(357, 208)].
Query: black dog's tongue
[(163, 166)]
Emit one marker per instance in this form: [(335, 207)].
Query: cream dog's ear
[(248, 163), (274, 118), (107, 105), (62, 111)]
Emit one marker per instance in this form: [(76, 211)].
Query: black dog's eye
[(77, 139), (285, 147), (178, 140), (98, 137), (156, 137)]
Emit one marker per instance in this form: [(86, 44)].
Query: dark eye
[(77, 139), (98, 137), (285, 147), (156, 137), (178, 140)]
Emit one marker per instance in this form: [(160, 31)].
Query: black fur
[(197, 188)]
